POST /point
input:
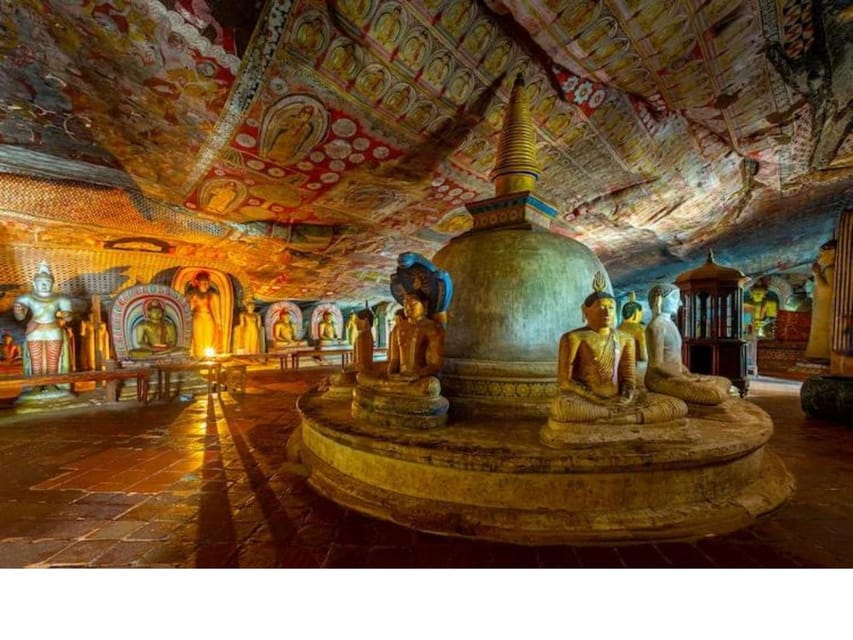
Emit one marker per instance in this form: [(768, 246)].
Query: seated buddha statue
[(764, 312), (327, 332), (415, 353), (283, 331), (666, 374), (632, 324), (155, 334), (9, 349), (596, 375), (408, 393)]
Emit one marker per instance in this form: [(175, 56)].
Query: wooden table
[(214, 373), (318, 354), (283, 356), (111, 377)]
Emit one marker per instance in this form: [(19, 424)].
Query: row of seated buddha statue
[(597, 375)]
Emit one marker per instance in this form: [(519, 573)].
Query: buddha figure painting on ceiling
[(388, 26), (666, 373), (295, 133), (413, 50), (596, 374), (46, 348)]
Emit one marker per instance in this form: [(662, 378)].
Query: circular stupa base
[(493, 479)]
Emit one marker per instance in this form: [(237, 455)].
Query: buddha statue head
[(632, 311), (154, 310), (414, 307), (758, 293), (826, 254), (599, 307), (202, 281), (664, 299)]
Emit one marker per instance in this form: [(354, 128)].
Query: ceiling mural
[(302, 145)]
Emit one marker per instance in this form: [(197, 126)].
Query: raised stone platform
[(493, 479)]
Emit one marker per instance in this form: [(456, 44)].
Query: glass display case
[(711, 320)]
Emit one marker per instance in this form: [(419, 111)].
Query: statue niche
[(327, 325), (210, 296), (283, 326), (150, 321)]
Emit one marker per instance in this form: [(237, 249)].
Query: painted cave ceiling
[(303, 145)]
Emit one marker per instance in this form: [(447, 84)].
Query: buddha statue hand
[(628, 395)]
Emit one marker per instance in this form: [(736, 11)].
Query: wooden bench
[(111, 377)]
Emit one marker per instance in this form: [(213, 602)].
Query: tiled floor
[(206, 484)]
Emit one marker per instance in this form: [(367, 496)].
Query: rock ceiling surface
[(302, 145)]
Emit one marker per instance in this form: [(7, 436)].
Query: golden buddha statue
[(764, 311), (408, 394), (155, 334), (248, 334), (362, 358), (326, 330), (204, 302), (351, 329), (415, 352), (596, 375), (666, 373), (283, 331), (818, 347), (632, 324)]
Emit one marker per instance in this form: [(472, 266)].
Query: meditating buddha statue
[(327, 332), (409, 393), (596, 375), (283, 331), (666, 373), (155, 334), (632, 324), (764, 311)]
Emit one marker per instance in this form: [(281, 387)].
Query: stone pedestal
[(492, 479)]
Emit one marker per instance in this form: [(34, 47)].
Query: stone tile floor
[(206, 484)]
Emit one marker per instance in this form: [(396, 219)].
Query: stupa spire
[(517, 168)]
